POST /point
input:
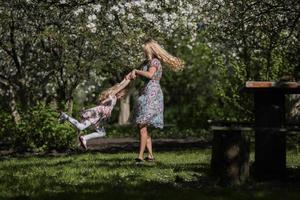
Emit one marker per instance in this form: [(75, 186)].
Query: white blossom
[(189, 46), (97, 7), (92, 27), (122, 11), (150, 17), (92, 17), (165, 16), (173, 16), (152, 4), (78, 11), (128, 5), (115, 8), (130, 16), (110, 16)]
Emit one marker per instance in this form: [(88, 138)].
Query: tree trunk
[(124, 110), (70, 104), (13, 106)]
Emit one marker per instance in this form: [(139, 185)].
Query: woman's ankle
[(150, 156)]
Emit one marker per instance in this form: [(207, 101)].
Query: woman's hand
[(128, 76), (131, 75)]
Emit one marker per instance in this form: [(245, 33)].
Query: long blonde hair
[(153, 50), (119, 90)]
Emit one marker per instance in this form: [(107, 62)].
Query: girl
[(97, 115), (149, 109)]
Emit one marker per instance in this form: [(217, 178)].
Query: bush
[(38, 131), (7, 129)]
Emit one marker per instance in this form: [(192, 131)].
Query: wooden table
[(270, 138)]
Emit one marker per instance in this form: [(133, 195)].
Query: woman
[(149, 110)]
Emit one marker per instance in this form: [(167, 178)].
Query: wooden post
[(270, 149), (230, 157)]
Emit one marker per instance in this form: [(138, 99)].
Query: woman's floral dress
[(150, 103)]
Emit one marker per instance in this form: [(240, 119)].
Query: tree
[(51, 48)]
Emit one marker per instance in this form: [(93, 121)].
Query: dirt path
[(132, 144), (114, 145)]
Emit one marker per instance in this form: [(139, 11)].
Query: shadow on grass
[(120, 189), (131, 185)]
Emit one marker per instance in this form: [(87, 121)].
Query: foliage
[(7, 129), (55, 51), (40, 131), (175, 175), (50, 48), (255, 33)]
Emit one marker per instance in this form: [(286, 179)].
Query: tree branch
[(13, 48)]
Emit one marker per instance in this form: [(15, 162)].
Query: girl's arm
[(110, 98), (105, 101), (113, 100)]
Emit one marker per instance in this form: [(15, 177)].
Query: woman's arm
[(148, 74)]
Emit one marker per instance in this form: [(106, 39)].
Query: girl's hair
[(104, 94), (154, 50), (118, 89)]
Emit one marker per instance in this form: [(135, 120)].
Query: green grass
[(175, 175)]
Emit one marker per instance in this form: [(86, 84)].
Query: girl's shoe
[(82, 142), (62, 117), (101, 132)]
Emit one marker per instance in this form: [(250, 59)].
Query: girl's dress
[(150, 103), (94, 116), (97, 114)]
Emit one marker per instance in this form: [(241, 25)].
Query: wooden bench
[(230, 152), (231, 149)]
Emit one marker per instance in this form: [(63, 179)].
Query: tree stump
[(230, 157)]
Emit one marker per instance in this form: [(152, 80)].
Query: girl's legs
[(85, 138), (99, 133), (143, 141), (79, 125)]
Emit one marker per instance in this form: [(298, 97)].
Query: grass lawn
[(175, 175)]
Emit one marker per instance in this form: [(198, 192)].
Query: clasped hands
[(131, 75)]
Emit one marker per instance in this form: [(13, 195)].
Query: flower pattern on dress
[(150, 104)]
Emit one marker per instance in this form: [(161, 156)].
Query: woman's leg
[(149, 147), (143, 140)]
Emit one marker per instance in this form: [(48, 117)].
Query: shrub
[(40, 131), (7, 129)]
